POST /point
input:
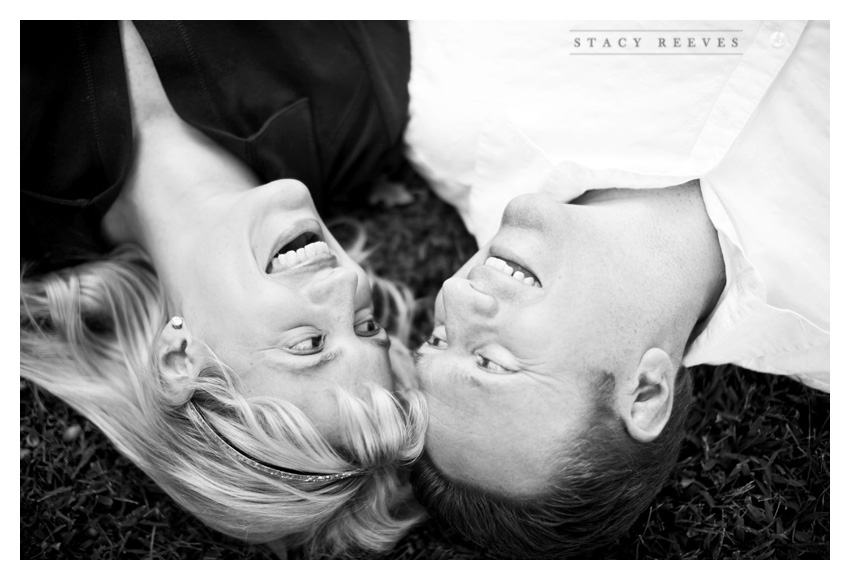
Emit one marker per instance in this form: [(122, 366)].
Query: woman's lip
[(294, 258), (311, 264), (301, 226)]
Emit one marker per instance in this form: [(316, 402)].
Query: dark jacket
[(321, 102)]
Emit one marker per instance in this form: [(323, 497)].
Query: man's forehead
[(487, 451)]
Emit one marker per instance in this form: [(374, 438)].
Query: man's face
[(508, 369)]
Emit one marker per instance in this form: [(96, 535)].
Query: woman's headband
[(262, 467)]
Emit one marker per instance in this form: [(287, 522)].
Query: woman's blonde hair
[(87, 336)]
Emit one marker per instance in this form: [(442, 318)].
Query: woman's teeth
[(504, 267), (293, 258)]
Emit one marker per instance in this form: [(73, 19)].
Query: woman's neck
[(173, 163)]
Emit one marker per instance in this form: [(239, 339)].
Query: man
[(680, 218)]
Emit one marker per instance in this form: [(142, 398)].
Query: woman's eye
[(488, 365), (435, 341), (367, 328), (309, 345)]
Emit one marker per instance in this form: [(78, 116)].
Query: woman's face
[(260, 279)]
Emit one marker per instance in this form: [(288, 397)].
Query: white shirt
[(502, 109)]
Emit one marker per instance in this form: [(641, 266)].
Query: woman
[(226, 342)]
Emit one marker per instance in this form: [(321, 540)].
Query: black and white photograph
[(456, 289)]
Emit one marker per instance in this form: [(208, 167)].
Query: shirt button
[(777, 39)]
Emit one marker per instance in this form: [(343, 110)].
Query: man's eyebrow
[(418, 359), (465, 376)]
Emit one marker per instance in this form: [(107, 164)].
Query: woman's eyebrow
[(314, 363), (384, 343)]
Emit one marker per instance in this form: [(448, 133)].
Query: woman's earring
[(177, 322)]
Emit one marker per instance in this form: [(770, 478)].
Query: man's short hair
[(603, 482)]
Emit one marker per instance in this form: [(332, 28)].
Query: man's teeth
[(503, 266), (294, 257)]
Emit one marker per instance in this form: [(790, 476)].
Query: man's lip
[(507, 253), (485, 278)]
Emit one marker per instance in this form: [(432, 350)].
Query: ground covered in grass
[(752, 479)]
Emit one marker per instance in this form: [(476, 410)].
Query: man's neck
[(673, 227)]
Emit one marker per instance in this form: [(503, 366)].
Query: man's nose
[(527, 211), (463, 302)]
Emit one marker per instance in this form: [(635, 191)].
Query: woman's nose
[(334, 291), (290, 193)]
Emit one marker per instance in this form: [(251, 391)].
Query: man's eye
[(367, 328), (490, 366), (435, 341), (308, 345)]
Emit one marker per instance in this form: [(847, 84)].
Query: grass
[(752, 479)]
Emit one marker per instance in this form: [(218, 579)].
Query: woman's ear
[(178, 352), (646, 402)]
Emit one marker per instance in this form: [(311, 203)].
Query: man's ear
[(646, 402), (179, 354)]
